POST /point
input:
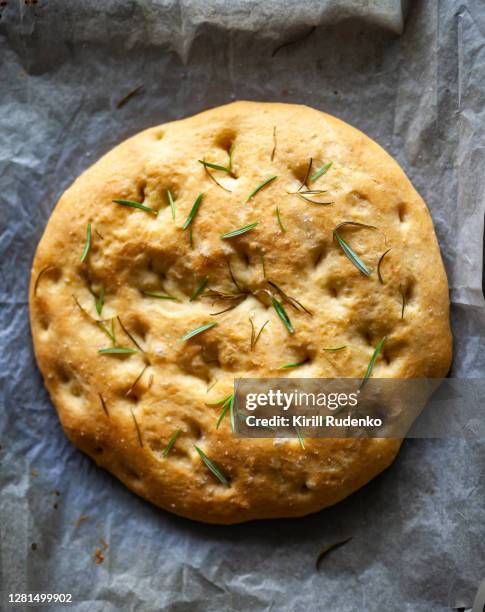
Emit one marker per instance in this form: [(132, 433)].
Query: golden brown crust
[(133, 251)]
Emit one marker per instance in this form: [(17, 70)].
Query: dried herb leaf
[(307, 174), (278, 217), (197, 330), (326, 549), (193, 212), (159, 296), (103, 404), (40, 275), (136, 205), (138, 432), (171, 442), (117, 350), (354, 258), (215, 469), (135, 382), (129, 95), (238, 232), (214, 180), (171, 202), (199, 289), (87, 246), (379, 266), (274, 143), (333, 349), (323, 170), (372, 361), (259, 187), (281, 312), (130, 336)]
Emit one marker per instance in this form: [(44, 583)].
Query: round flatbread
[(116, 290)]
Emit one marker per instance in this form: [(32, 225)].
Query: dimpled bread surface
[(122, 409)]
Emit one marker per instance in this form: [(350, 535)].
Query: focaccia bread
[(116, 290)]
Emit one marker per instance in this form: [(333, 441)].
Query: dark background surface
[(418, 529)]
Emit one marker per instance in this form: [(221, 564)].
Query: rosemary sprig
[(137, 427), (215, 469), (333, 349), (99, 301), (40, 275), (171, 202), (130, 336), (226, 406), (372, 361), (198, 330), (159, 296), (301, 440), (297, 364), (103, 404), (255, 336), (274, 143), (379, 266), (404, 298), (323, 170), (280, 223), (193, 212), (136, 205), (117, 350), (171, 442), (214, 180), (291, 300), (220, 402), (199, 289), (281, 312), (259, 187), (354, 258), (329, 547), (239, 231), (87, 246)]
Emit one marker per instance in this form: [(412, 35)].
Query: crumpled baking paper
[(416, 86)]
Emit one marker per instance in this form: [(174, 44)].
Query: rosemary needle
[(372, 362), (259, 187), (199, 289), (239, 231), (193, 212), (332, 349), (159, 296), (87, 246), (136, 205), (171, 442), (99, 301), (280, 223), (281, 312), (354, 258), (198, 330), (171, 202), (215, 469), (320, 172), (381, 280), (297, 364), (117, 350)]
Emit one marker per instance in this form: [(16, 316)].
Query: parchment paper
[(417, 87)]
